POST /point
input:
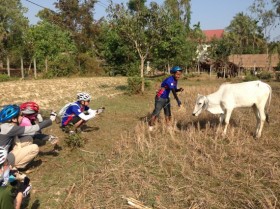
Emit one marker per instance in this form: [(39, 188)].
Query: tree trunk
[(8, 66), (21, 68), (35, 69)]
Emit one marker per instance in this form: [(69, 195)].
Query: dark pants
[(162, 103)]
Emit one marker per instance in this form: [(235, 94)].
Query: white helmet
[(3, 155), (83, 96)]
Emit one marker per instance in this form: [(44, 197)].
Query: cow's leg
[(221, 118), (227, 117), (262, 120), (257, 114)]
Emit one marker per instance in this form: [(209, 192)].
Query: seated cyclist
[(31, 116), (7, 198), (79, 112), (21, 148)]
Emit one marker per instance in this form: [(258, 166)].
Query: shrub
[(4, 77), (134, 84), (75, 140), (265, 75), (277, 75), (249, 77), (278, 67), (63, 65), (89, 65)]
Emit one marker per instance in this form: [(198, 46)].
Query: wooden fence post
[(21, 67), (35, 69), (8, 67), (46, 64)]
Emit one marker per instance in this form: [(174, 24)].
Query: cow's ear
[(198, 95)]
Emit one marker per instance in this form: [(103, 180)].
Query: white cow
[(253, 94)]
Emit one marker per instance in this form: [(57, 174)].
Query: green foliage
[(117, 52), (249, 77), (277, 75), (134, 84), (244, 36), (4, 77), (265, 75), (47, 41), (77, 18), (75, 140), (133, 69), (278, 67), (62, 65), (88, 65), (13, 25)]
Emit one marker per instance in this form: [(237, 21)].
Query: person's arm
[(176, 96), (92, 114), (28, 130), (18, 200), (180, 89)]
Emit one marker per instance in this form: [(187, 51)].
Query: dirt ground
[(53, 93)]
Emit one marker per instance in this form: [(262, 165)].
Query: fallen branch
[(135, 203), (69, 193), (86, 151)]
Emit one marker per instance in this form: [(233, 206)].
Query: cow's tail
[(268, 103)]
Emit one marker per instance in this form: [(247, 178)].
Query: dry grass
[(53, 93), (192, 166)]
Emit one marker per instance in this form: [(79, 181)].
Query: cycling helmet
[(175, 69), (83, 96), (29, 108), (3, 155), (9, 112)]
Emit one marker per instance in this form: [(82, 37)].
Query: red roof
[(211, 34)]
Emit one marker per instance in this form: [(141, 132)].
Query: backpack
[(64, 108)]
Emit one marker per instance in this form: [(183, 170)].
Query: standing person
[(7, 200), (162, 100), (22, 149), (78, 113)]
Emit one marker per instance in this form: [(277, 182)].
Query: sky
[(212, 14)]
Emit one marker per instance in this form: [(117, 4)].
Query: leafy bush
[(249, 77), (89, 65), (75, 140), (278, 67), (265, 75), (134, 84), (62, 65), (133, 69), (4, 77)]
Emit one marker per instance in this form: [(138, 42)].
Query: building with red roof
[(213, 34)]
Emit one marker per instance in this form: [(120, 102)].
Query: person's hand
[(25, 187), (53, 116), (100, 110), (179, 102), (39, 117)]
